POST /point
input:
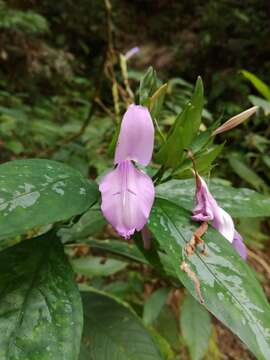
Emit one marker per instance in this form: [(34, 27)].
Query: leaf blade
[(113, 332), (196, 327), (40, 305), (262, 88), (37, 192), (184, 130), (228, 285)]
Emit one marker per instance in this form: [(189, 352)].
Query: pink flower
[(207, 209), (128, 193)]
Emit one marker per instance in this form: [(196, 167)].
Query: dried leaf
[(191, 274)]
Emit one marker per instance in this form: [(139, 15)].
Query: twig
[(123, 66), (103, 107)]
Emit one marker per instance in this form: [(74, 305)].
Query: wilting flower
[(128, 193), (207, 209)]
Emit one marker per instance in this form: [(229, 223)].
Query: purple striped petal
[(127, 198), (136, 138), (239, 245)]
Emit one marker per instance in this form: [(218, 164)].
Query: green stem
[(158, 175)]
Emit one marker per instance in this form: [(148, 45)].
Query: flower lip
[(127, 198)]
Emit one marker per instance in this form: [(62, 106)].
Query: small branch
[(104, 108)]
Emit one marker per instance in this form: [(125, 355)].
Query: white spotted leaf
[(37, 192)]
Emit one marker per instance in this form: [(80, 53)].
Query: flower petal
[(136, 138), (224, 224), (206, 206), (239, 245), (127, 198), (207, 209)]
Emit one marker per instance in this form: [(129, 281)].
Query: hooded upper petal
[(127, 198), (239, 245), (136, 138)]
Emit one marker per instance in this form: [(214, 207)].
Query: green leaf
[(196, 327), (24, 21), (203, 161), (151, 254), (202, 140), (266, 160), (264, 104), (148, 85), (228, 286), (132, 252), (246, 173), (238, 202), (95, 266), (157, 100), (15, 146), (40, 305), (38, 192), (261, 87), (164, 346), (118, 247), (112, 145), (91, 222), (167, 326), (184, 130), (113, 332), (153, 305)]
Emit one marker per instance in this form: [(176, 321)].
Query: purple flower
[(130, 53), (207, 209), (128, 193)]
